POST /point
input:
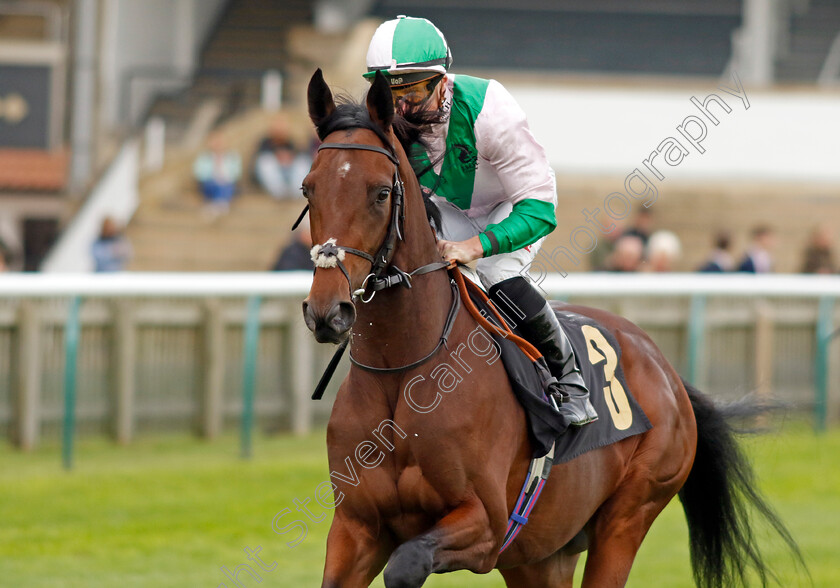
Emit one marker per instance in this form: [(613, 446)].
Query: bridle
[(383, 274), (329, 254)]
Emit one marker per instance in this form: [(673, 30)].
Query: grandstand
[(604, 36), (204, 65)]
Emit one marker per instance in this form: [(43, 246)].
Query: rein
[(447, 329)]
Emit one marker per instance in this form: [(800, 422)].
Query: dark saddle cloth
[(598, 356)]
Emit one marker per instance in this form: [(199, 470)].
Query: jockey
[(491, 181)]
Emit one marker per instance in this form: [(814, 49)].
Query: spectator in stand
[(279, 166), (600, 257), (11, 251), (217, 171), (759, 256), (111, 251), (642, 225), (720, 260), (5, 257), (662, 251), (819, 257), (627, 254), (296, 255)]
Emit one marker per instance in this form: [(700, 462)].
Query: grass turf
[(171, 511)]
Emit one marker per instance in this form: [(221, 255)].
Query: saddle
[(599, 356), (552, 440)]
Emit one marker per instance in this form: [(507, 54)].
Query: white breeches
[(457, 226)]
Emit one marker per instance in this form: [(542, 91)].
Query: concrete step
[(222, 251), (248, 61), (254, 13), (248, 238), (252, 209), (255, 41)]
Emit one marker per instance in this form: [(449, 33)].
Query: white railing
[(298, 283), (142, 284), (170, 349)]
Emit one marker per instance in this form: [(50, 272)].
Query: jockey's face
[(425, 95)]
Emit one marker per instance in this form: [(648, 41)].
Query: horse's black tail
[(718, 498)]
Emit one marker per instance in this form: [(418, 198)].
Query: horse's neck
[(401, 325)]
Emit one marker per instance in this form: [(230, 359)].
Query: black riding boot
[(536, 321)]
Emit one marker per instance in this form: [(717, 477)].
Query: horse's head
[(354, 195)]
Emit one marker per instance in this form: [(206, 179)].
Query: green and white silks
[(490, 158)]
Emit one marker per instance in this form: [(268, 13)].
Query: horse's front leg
[(355, 554), (463, 539)]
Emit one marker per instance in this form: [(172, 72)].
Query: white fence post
[(302, 356), (213, 384), (28, 405), (124, 347)]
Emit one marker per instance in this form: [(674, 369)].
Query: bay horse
[(426, 469)]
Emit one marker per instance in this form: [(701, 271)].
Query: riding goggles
[(416, 94)]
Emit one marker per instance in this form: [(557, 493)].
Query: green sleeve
[(529, 221)]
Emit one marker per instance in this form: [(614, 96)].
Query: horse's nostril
[(342, 316), (308, 316)]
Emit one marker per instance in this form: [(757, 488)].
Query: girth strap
[(534, 483)]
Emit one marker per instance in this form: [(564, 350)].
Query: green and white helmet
[(408, 50)]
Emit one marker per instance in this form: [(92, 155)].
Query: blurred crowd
[(280, 162), (642, 248), (277, 168)]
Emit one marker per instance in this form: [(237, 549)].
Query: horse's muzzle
[(332, 326)]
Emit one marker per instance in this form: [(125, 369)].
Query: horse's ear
[(321, 103), (380, 103)]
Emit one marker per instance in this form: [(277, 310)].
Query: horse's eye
[(383, 195)]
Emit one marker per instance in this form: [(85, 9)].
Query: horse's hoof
[(410, 564)]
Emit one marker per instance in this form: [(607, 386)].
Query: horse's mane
[(349, 114)]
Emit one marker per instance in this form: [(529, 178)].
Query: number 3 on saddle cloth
[(552, 439), (598, 356)]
